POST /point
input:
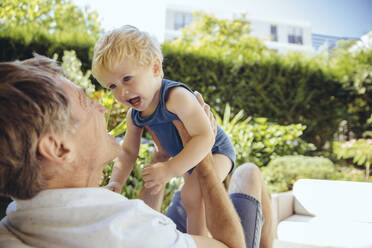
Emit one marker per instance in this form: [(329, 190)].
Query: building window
[(181, 20), (295, 35), (274, 32)]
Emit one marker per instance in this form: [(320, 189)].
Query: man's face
[(93, 146)]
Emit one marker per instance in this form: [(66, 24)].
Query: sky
[(350, 18), (345, 18)]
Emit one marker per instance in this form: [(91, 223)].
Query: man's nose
[(101, 108)]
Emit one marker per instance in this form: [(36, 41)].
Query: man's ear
[(54, 148), (157, 69)]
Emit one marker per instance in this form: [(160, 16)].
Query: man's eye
[(112, 86), (127, 78)]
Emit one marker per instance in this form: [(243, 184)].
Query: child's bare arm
[(125, 161), (185, 105)]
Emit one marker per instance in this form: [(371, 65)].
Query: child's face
[(133, 85)]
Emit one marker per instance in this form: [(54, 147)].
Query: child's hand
[(156, 174), (114, 186)]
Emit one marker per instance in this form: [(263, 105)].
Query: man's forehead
[(76, 96), (69, 87), (74, 93)]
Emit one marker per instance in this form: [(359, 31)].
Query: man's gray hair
[(32, 103)]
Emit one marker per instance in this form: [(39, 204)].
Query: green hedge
[(286, 90), (17, 47)]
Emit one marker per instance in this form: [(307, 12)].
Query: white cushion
[(345, 200), (326, 232), (284, 244)]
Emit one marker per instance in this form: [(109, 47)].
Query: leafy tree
[(55, 17), (46, 27), (222, 38), (352, 64)]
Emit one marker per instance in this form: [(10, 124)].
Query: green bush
[(359, 150), (72, 68), (349, 173), (272, 140), (258, 141), (281, 173)]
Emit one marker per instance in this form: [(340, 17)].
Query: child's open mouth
[(135, 101)]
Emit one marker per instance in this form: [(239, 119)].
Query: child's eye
[(112, 86), (127, 78)]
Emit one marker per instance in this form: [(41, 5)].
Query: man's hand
[(114, 186)]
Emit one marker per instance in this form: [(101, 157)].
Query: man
[(54, 145)]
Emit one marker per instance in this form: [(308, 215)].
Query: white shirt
[(88, 217)]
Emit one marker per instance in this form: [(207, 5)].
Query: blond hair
[(126, 42), (32, 104)]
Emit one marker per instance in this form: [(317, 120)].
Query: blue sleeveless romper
[(161, 123)]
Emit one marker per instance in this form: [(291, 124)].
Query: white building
[(282, 36), (328, 42), (165, 18)]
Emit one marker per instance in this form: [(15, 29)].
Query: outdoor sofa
[(324, 213)]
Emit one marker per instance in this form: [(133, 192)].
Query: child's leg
[(192, 198), (222, 164), (193, 203)]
